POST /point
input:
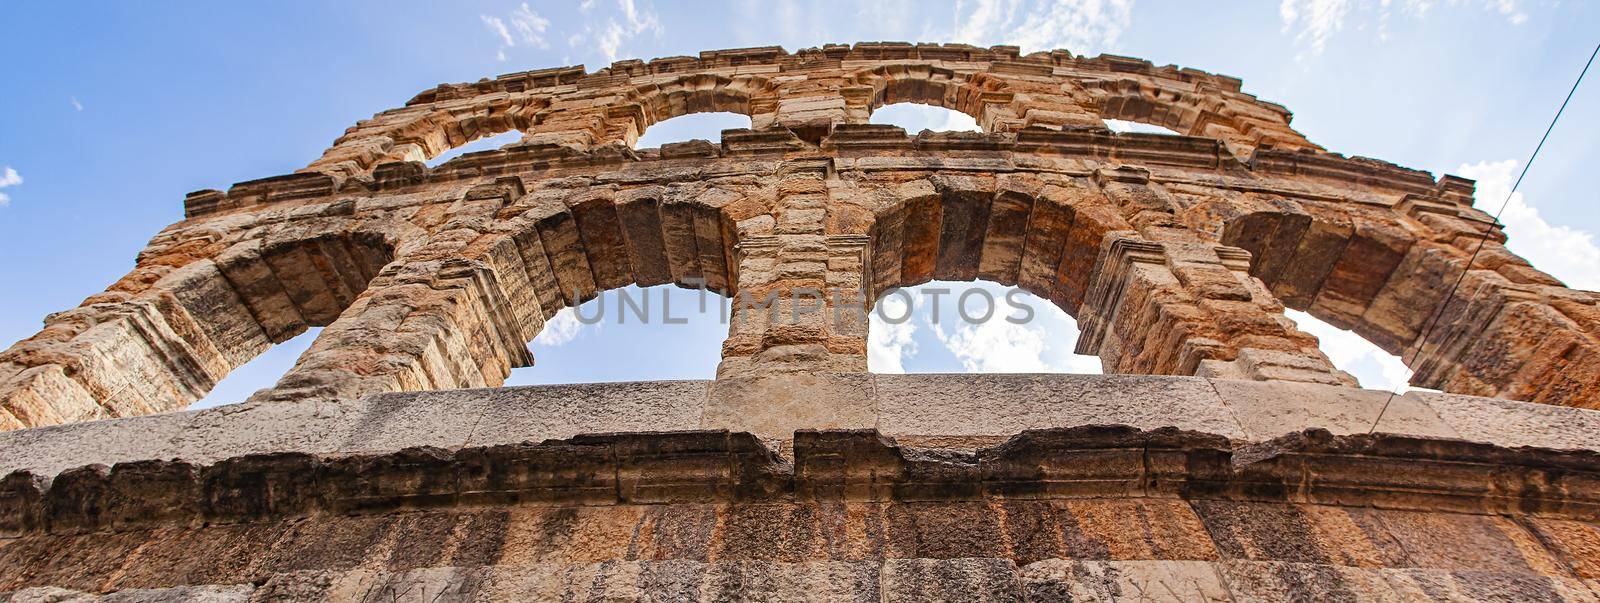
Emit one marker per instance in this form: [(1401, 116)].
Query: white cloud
[(1084, 27), (611, 37), (1373, 367), (1314, 22), (914, 118), (9, 177), (530, 26), (610, 41), (75, 104), (1318, 20), (889, 345), (1041, 344), (999, 346), (1564, 252), (497, 26), (560, 330)]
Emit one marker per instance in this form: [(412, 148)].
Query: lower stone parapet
[(1110, 512), (941, 487), (968, 579)]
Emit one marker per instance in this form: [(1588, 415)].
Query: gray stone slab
[(1155, 581), (443, 419), (236, 593), (979, 404), (774, 407), (313, 427), (50, 450), (1268, 409), (967, 579), (1509, 423), (534, 414)]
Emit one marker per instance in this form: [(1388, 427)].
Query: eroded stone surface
[(1176, 254), (1229, 461)]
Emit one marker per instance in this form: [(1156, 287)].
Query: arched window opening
[(631, 334), (695, 126), (489, 143), (972, 327), (259, 373), (1372, 366), (287, 292), (914, 118), (1122, 126)]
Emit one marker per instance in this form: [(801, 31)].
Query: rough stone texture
[(943, 411), (1177, 254), (963, 405), (1109, 512), (1228, 461), (1267, 410)]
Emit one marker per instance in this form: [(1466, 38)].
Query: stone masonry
[(1223, 457)]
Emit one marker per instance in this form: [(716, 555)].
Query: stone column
[(421, 326), (1186, 308), (1498, 337), (798, 322), (454, 312)]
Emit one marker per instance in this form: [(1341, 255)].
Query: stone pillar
[(798, 322), (420, 326), (1521, 340), (123, 355), (798, 301), (1181, 308)]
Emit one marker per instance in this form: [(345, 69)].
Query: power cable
[(1422, 341)]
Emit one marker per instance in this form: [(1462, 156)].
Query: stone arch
[(133, 351), (1192, 111), (985, 98), (422, 132), (1387, 278), (752, 96), (1178, 306), (465, 321), (1040, 236)]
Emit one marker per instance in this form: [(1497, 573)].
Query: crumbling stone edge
[(1313, 466)]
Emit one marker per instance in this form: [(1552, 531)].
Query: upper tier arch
[(808, 93), (1176, 253)]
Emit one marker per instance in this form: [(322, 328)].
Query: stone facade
[(1225, 458)]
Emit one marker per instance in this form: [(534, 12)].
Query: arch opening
[(1372, 366), (916, 117), (1334, 274), (706, 126), (972, 327), (599, 340), (258, 373), (487, 143), (1122, 126), (290, 290)]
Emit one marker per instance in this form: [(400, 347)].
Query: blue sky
[(110, 112)]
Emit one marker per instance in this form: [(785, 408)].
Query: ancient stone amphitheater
[(1224, 457)]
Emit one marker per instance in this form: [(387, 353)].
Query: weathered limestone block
[(1192, 309), (797, 474)]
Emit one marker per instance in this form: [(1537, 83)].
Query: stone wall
[(1224, 457), (1095, 511), (1177, 253)]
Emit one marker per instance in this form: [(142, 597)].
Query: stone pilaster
[(798, 321), (426, 326), (798, 296), (1500, 338), (1172, 308)]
